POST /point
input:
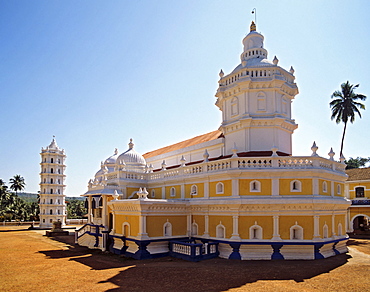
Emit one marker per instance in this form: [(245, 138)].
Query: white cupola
[(255, 100)]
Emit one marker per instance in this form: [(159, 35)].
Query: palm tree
[(345, 106), (17, 183)]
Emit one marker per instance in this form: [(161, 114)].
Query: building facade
[(358, 191), (52, 198), (236, 192)]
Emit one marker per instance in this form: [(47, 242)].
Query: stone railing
[(238, 163), (192, 251)]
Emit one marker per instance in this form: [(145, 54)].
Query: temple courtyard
[(30, 261)]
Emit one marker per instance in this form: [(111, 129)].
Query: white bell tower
[(52, 198), (255, 100)]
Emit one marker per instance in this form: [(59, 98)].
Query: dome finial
[(253, 26), (131, 145)]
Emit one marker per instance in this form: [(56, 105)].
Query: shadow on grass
[(169, 274)]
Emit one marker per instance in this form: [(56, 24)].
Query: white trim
[(221, 191), (296, 232), (167, 229), (295, 186), (255, 183), (220, 231), (255, 232)]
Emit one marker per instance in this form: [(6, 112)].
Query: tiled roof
[(358, 174), (190, 142)]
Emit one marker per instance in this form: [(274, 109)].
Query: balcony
[(361, 202)]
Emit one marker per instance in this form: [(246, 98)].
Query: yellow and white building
[(358, 191), (236, 192)]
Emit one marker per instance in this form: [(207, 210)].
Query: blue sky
[(97, 73)]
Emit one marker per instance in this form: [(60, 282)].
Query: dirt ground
[(30, 261)]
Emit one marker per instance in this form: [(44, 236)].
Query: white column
[(206, 226), (235, 187), (235, 235), (182, 191), (316, 227), (275, 187), (333, 233), (163, 192), (332, 189), (188, 220), (276, 235), (142, 228), (315, 187), (90, 210), (206, 189), (104, 212)]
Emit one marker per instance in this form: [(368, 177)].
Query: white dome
[(132, 159), (112, 159)]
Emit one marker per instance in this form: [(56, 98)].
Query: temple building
[(52, 198), (236, 192)]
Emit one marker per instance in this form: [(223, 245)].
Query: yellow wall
[(306, 187), (226, 221), (325, 219), (158, 193), (340, 219), (132, 220), (129, 192), (178, 192), (352, 186), (359, 210), (306, 222), (328, 188), (342, 189), (227, 188), (200, 189), (266, 222), (199, 219), (244, 187), (154, 225)]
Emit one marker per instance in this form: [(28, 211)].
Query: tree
[(76, 209), (345, 106), (356, 162), (17, 183)]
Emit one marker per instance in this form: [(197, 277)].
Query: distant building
[(236, 192), (52, 198), (358, 191)]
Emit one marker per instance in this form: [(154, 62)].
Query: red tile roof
[(190, 142), (358, 174)]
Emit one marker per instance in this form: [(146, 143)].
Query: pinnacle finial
[(131, 145), (115, 151), (253, 26)]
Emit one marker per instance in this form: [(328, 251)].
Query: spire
[(253, 26)]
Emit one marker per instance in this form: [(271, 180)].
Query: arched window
[(59, 161), (58, 171), (255, 232), (52, 170), (51, 191), (51, 220), (100, 201), (325, 187), (167, 229), (172, 192), (194, 229), (44, 180), (194, 190), (325, 231), (43, 220), (296, 232), (58, 201), (339, 189), (295, 186), (51, 212), (59, 191), (58, 212), (126, 229), (220, 231), (51, 201), (51, 181), (255, 186), (52, 160), (220, 188), (360, 192)]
